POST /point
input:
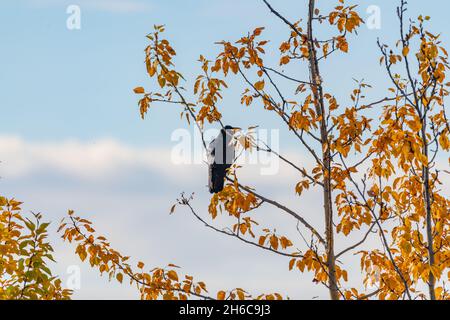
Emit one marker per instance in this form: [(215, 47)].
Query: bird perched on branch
[(221, 155)]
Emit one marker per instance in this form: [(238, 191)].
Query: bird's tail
[(217, 173)]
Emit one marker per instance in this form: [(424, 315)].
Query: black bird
[(220, 158)]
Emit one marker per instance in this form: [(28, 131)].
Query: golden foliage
[(25, 256)]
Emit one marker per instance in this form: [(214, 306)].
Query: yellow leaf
[(274, 242), (161, 80), (291, 263), (415, 125), (285, 242), (221, 295), (119, 277), (405, 51), (284, 60), (259, 85), (243, 228), (342, 44), (261, 241), (172, 275), (258, 31), (438, 291), (444, 141), (139, 90), (345, 275)]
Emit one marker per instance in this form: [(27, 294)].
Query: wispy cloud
[(116, 6), (107, 159), (99, 159)]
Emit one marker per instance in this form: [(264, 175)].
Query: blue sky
[(71, 135), (61, 84)]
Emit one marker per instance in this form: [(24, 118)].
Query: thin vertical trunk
[(326, 156), (425, 168), (429, 218)]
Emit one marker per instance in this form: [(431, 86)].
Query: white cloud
[(117, 6), (104, 158)]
